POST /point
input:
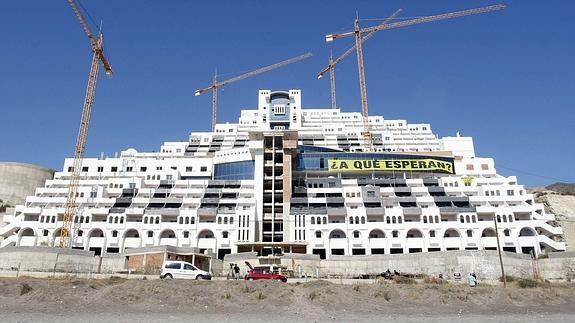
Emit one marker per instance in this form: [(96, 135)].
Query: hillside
[(562, 188)]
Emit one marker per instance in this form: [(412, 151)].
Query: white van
[(183, 270)]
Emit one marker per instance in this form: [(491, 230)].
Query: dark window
[(100, 169), (189, 267), (204, 169), (129, 169), (114, 169), (173, 265), (189, 168), (114, 233), (151, 235), (143, 168), (225, 234), (395, 234), (318, 234), (186, 234)]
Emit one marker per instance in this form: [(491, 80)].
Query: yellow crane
[(332, 63), (357, 32), (215, 85), (97, 57)]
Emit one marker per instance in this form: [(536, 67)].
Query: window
[(70, 169), (506, 232), (510, 192), (114, 233), (189, 168), (370, 193), (143, 168), (186, 234), (150, 234), (100, 169), (432, 234), (173, 265), (484, 167), (45, 233), (129, 169), (469, 166), (356, 234), (225, 234), (189, 267), (114, 169), (94, 194), (158, 167), (395, 233), (469, 233), (203, 169), (318, 234)]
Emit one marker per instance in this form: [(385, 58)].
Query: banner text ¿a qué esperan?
[(370, 165)]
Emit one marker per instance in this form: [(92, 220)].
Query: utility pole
[(499, 251)]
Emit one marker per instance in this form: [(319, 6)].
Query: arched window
[(158, 220), (121, 219), (219, 220), (357, 220), (437, 219), (325, 220), (473, 219), (110, 219), (87, 219), (231, 220), (504, 218), (312, 220), (498, 218), (461, 219), (387, 219), (424, 219), (510, 217), (362, 220), (467, 219), (393, 219), (145, 220), (187, 220), (351, 220), (226, 220), (399, 219), (193, 220), (469, 233)]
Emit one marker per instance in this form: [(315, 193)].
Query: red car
[(264, 272)]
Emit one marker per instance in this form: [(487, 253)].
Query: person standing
[(472, 280), (236, 272)]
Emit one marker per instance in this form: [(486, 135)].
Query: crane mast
[(97, 58), (357, 32), (367, 140), (332, 82), (215, 85)]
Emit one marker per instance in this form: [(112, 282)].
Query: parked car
[(182, 270), (264, 272)]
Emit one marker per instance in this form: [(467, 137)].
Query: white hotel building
[(265, 184)]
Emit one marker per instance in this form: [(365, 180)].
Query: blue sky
[(505, 78)]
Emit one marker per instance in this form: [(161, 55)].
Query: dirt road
[(51, 300)]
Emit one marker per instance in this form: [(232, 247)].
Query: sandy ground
[(118, 300)]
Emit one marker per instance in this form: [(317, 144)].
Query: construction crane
[(357, 32), (332, 63), (97, 57), (215, 85)]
